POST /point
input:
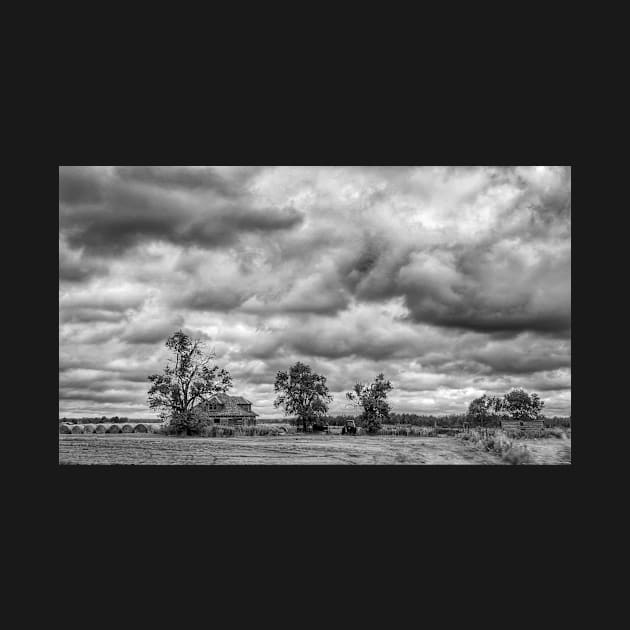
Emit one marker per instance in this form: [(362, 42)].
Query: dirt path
[(290, 449)]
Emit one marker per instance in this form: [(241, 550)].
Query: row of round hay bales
[(101, 428)]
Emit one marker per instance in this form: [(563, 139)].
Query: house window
[(217, 421)]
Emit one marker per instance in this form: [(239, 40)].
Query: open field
[(291, 449), (548, 450)]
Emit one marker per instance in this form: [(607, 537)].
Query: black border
[(308, 504)]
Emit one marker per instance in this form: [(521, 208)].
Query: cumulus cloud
[(451, 280), (108, 212)]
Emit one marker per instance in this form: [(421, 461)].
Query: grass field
[(291, 449), (141, 449), (548, 450)]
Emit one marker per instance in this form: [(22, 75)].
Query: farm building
[(224, 409), (529, 427)]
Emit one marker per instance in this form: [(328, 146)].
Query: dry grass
[(555, 449), (289, 449), (548, 450)]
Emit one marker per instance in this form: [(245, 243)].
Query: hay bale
[(88, 428), (100, 428), (127, 428), (78, 428), (140, 428), (113, 428), (65, 429)]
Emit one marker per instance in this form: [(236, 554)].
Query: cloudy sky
[(453, 281)]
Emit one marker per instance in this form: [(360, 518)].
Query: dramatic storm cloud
[(453, 281)]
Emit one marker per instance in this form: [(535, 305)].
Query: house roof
[(230, 407), (224, 398)]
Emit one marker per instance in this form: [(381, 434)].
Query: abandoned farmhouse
[(224, 409)]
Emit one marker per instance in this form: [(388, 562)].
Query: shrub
[(217, 430), (496, 442), (517, 455), (113, 428), (127, 428), (100, 428), (186, 424), (64, 428), (556, 432), (165, 429)]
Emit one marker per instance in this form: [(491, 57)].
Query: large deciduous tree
[(522, 406), (187, 379), (302, 393), (517, 404), (373, 399)]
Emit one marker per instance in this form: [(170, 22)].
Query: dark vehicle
[(350, 428)]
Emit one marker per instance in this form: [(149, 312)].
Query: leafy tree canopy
[(373, 399), (522, 406), (187, 379), (302, 392), (517, 404)]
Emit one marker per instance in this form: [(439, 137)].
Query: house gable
[(222, 408)]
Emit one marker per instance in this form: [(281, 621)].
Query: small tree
[(520, 405), (483, 410), (303, 393), (186, 380), (373, 399)]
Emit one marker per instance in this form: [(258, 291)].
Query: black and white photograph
[(393, 315)]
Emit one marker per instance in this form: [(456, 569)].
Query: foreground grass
[(548, 450), (138, 449)]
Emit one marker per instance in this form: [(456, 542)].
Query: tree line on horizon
[(188, 379)]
